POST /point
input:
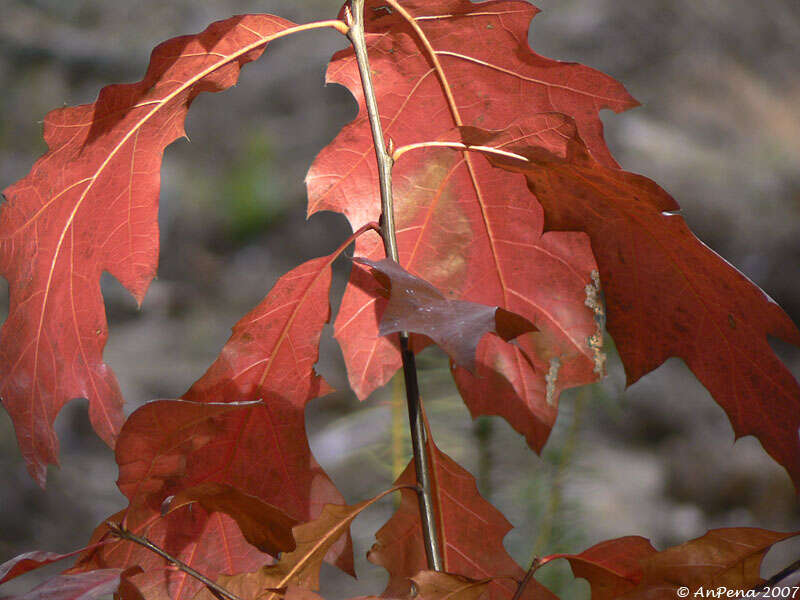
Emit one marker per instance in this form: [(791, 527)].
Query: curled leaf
[(265, 526), (457, 326)]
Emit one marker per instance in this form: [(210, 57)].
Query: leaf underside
[(461, 226), (90, 205), (667, 293)]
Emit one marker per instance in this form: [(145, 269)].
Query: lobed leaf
[(298, 570), (668, 294), (471, 533), (632, 569), (460, 225), (612, 568), (90, 205), (242, 425)]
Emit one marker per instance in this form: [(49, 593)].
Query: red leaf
[(90, 205), (631, 568), (460, 226), (301, 567), (264, 526), (668, 294), (19, 565), (612, 568), (83, 586), (434, 585), (258, 448), (471, 535), (455, 325)]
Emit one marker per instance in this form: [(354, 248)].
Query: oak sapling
[(489, 218)]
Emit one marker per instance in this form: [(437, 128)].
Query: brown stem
[(526, 580), (354, 17), (124, 533)]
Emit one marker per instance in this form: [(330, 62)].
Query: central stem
[(355, 21)]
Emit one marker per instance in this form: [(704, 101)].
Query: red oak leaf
[(19, 565), (668, 294), (267, 528), (243, 425), (301, 567), (455, 325), (613, 567), (81, 586), (90, 205), (460, 226), (632, 569), (471, 533)]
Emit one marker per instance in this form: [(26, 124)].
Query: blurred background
[(719, 128)]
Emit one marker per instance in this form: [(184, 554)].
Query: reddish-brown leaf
[(219, 434), (433, 585), (632, 569), (299, 568), (90, 205), (267, 528), (471, 533), (19, 565), (612, 568), (164, 447), (460, 226), (455, 325), (668, 294), (81, 586)]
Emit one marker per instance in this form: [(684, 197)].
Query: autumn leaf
[(455, 325), (241, 425), (613, 567), (433, 585), (631, 568), (267, 528), (82, 586), (460, 225), (667, 293), (90, 205), (258, 448), (299, 568), (29, 561), (471, 533)]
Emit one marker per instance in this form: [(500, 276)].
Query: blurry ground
[(719, 129)]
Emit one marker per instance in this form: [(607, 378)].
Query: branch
[(535, 564), (355, 21), (122, 532)]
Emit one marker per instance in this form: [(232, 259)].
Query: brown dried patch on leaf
[(457, 326)]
